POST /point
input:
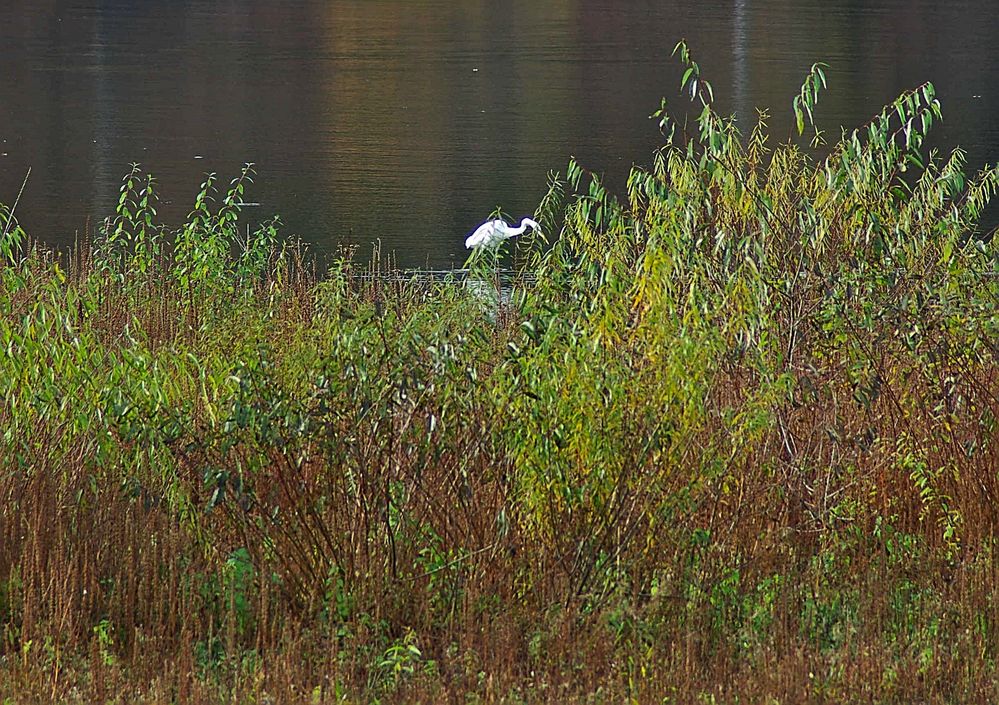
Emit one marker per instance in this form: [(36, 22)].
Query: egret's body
[(493, 232)]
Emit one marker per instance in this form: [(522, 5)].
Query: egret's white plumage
[(493, 232)]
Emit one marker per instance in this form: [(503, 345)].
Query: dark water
[(410, 120)]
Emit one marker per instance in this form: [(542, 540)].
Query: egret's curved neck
[(523, 225)]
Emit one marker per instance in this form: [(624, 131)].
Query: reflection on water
[(409, 121)]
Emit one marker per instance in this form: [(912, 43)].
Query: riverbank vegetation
[(732, 438)]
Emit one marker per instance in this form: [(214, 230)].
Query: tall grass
[(732, 439)]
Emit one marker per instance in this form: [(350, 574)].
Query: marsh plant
[(733, 440)]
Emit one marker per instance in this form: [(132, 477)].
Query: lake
[(408, 121)]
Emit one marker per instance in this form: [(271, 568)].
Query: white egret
[(484, 244), (493, 232)]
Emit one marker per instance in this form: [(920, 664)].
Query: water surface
[(408, 121)]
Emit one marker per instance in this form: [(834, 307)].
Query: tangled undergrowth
[(732, 438)]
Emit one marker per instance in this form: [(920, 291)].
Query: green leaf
[(799, 116), (686, 77)]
